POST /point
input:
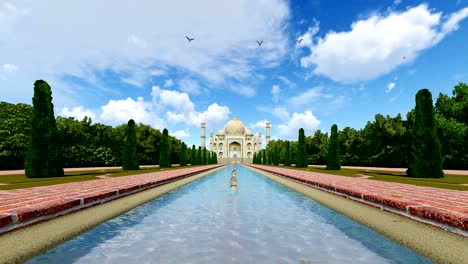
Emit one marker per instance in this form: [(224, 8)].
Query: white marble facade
[(235, 142)]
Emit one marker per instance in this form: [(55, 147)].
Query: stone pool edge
[(27, 242), (436, 244)]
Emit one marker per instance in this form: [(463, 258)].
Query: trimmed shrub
[(333, 159)]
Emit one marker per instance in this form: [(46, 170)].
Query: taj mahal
[(235, 142)]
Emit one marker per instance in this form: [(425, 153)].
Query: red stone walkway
[(443, 208), (22, 207)]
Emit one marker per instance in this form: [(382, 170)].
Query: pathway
[(447, 209), (458, 172), (22, 207)]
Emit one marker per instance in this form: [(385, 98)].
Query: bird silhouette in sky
[(189, 39), (299, 41), (259, 43), (404, 58)]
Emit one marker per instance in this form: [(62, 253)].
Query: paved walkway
[(444, 208), (22, 207)]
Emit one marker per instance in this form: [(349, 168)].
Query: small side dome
[(220, 132), (248, 132)]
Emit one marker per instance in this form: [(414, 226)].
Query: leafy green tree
[(333, 161), (44, 156), (130, 159), (165, 156), (287, 155), (264, 158), (425, 158), (183, 155), (301, 160)]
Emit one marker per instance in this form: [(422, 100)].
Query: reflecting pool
[(207, 222)]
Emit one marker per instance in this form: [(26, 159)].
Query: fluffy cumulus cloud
[(259, 125), (376, 45), (87, 39), (390, 87), (305, 120), (181, 134), (117, 112), (180, 109), (78, 113)]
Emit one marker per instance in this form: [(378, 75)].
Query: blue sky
[(116, 61)]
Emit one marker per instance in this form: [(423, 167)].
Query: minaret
[(259, 141), (211, 140), (203, 135), (267, 136)]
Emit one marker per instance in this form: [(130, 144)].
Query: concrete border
[(20, 245), (438, 245)]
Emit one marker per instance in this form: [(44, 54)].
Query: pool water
[(205, 221)]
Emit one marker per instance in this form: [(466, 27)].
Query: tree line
[(385, 141), (82, 143)]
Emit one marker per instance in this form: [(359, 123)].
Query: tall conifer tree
[(333, 159), (193, 156), (165, 156), (183, 155), (301, 159), (44, 156), (130, 158), (425, 159)]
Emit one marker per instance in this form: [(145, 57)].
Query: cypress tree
[(193, 157), (215, 158), (264, 158), (165, 156), (183, 155), (333, 159), (204, 160), (287, 155), (199, 156), (130, 158), (44, 156), (301, 159), (425, 159), (254, 160)]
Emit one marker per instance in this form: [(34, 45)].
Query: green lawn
[(19, 181), (450, 181)]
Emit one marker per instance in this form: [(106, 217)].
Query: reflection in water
[(208, 222)]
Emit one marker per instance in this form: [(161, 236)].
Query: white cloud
[(290, 129), (390, 87), (246, 91), (376, 45), (117, 112), (131, 82), (307, 38), (10, 67), (281, 113), (78, 113), (275, 90), (181, 134), (397, 2), (86, 38), (306, 97), (286, 81), (261, 124), (182, 109), (168, 83), (189, 86)]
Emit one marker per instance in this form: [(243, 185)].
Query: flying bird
[(404, 58), (259, 43), (189, 39), (299, 41)]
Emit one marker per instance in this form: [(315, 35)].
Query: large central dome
[(234, 126)]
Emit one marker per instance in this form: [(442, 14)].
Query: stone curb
[(23, 207), (416, 208)]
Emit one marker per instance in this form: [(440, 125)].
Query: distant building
[(235, 142)]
